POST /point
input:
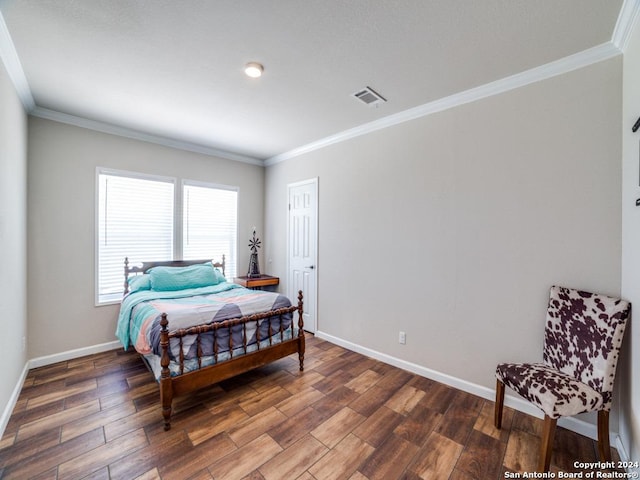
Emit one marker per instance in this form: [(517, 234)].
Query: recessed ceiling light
[(253, 69)]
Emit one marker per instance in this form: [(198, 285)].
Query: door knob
[(311, 267)]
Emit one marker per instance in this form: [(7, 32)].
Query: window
[(142, 217), (135, 220), (210, 224)]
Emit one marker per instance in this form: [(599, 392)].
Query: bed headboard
[(145, 266)]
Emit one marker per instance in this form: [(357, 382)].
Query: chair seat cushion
[(556, 393)]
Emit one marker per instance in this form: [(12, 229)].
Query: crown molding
[(111, 129), (625, 24), (11, 61), (582, 59), (623, 29)]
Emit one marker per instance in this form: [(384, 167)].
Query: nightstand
[(257, 283)]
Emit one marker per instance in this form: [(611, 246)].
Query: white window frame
[(177, 217)]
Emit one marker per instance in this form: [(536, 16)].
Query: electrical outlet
[(402, 338)]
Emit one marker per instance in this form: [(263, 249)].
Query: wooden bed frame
[(186, 382)]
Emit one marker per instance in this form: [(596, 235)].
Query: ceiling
[(174, 69)]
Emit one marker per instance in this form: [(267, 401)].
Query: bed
[(193, 328)]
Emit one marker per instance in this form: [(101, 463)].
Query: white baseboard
[(570, 423), (13, 399), (48, 360), (622, 451), (71, 354), (633, 471)]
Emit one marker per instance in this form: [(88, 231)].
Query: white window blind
[(141, 217), (135, 220), (210, 224)]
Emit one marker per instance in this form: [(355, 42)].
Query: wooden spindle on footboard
[(126, 275), (180, 345), (215, 345), (244, 336), (166, 392), (258, 332)]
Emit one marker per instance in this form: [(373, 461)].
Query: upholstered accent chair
[(582, 339)]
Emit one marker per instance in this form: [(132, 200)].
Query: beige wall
[(61, 242), (452, 227), (13, 237), (630, 362)]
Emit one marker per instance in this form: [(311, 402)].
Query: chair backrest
[(583, 335)]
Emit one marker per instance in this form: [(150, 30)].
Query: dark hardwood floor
[(346, 417)]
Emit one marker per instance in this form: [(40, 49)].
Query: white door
[(303, 245)]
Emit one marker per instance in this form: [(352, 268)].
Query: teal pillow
[(139, 282), (221, 278), (180, 278)]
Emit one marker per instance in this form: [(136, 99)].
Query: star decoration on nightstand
[(254, 243)]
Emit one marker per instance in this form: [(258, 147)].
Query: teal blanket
[(130, 325)]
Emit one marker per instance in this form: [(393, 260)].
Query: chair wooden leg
[(497, 418), (547, 443), (604, 448)]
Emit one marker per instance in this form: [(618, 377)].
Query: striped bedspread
[(140, 315)]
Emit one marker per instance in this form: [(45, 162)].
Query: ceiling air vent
[(369, 96)]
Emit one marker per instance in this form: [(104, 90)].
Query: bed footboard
[(243, 356)]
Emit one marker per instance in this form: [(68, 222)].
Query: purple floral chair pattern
[(582, 339)]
